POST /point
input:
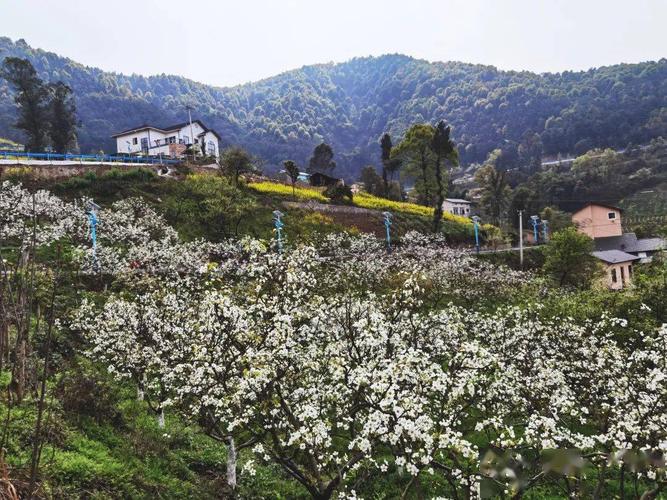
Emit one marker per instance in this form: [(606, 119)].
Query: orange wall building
[(598, 221)]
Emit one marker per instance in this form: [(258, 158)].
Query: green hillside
[(351, 104)]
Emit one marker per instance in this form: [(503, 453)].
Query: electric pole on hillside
[(192, 135), (521, 237)]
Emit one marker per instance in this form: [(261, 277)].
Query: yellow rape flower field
[(363, 200), (275, 188)]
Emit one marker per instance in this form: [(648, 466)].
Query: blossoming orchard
[(336, 363)]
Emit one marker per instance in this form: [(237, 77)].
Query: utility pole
[(192, 135), (521, 237)]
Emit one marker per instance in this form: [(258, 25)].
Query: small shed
[(618, 266), (319, 179)]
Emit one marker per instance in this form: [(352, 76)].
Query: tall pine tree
[(444, 149), (62, 118), (32, 99)]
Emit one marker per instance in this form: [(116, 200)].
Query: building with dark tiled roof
[(616, 249), (172, 141)]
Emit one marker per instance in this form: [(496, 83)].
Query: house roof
[(166, 129), (628, 242), (457, 200), (322, 174), (614, 256), (612, 207)]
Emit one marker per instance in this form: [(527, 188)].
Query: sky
[(228, 42)]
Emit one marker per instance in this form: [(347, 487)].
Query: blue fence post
[(387, 226), (278, 224), (93, 210), (475, 224), (535, 220)]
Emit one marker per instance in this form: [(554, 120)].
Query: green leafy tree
[(322, 159), (371, 180), (62, 118), (568, 259), (418, 160), (557, 219), (339, 193), (530, 150), (209, 206), (522, 198), (235, 161), (292, 170), (444, 150), (495, 189), (32, 99)]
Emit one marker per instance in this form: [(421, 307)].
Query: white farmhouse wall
[(190, 132), (211, 137)]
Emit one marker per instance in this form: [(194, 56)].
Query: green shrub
[(339, 193)]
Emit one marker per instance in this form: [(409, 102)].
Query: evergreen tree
[(385, 148), (444, 149), (62, 118), (415, 153), (371, 180), (322, 159), (292, 171), (235, 161), (32, 98), (496, 191)]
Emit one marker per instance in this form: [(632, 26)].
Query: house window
[(623, 275), (211, 148), (172, 139), (135, 141), (186, 139), (614, 279), (611, 215), (629, 269), (144, 144)]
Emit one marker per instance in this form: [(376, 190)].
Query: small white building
[(456, 206), (170, 141)]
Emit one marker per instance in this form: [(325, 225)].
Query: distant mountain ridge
[(349, 105)]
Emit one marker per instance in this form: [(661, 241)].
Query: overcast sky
[(226, 42)]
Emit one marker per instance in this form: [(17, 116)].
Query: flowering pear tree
[(340, 360)]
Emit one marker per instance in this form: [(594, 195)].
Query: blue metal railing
[(6, 155)]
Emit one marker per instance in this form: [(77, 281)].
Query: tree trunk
[(18, 373), (440, 196), (231, 464), (4, 338), (427, 193)]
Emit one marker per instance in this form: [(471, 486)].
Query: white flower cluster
[(36, 217), (131, 236), (331, 359)]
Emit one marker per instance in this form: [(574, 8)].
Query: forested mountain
[(349, 105)]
